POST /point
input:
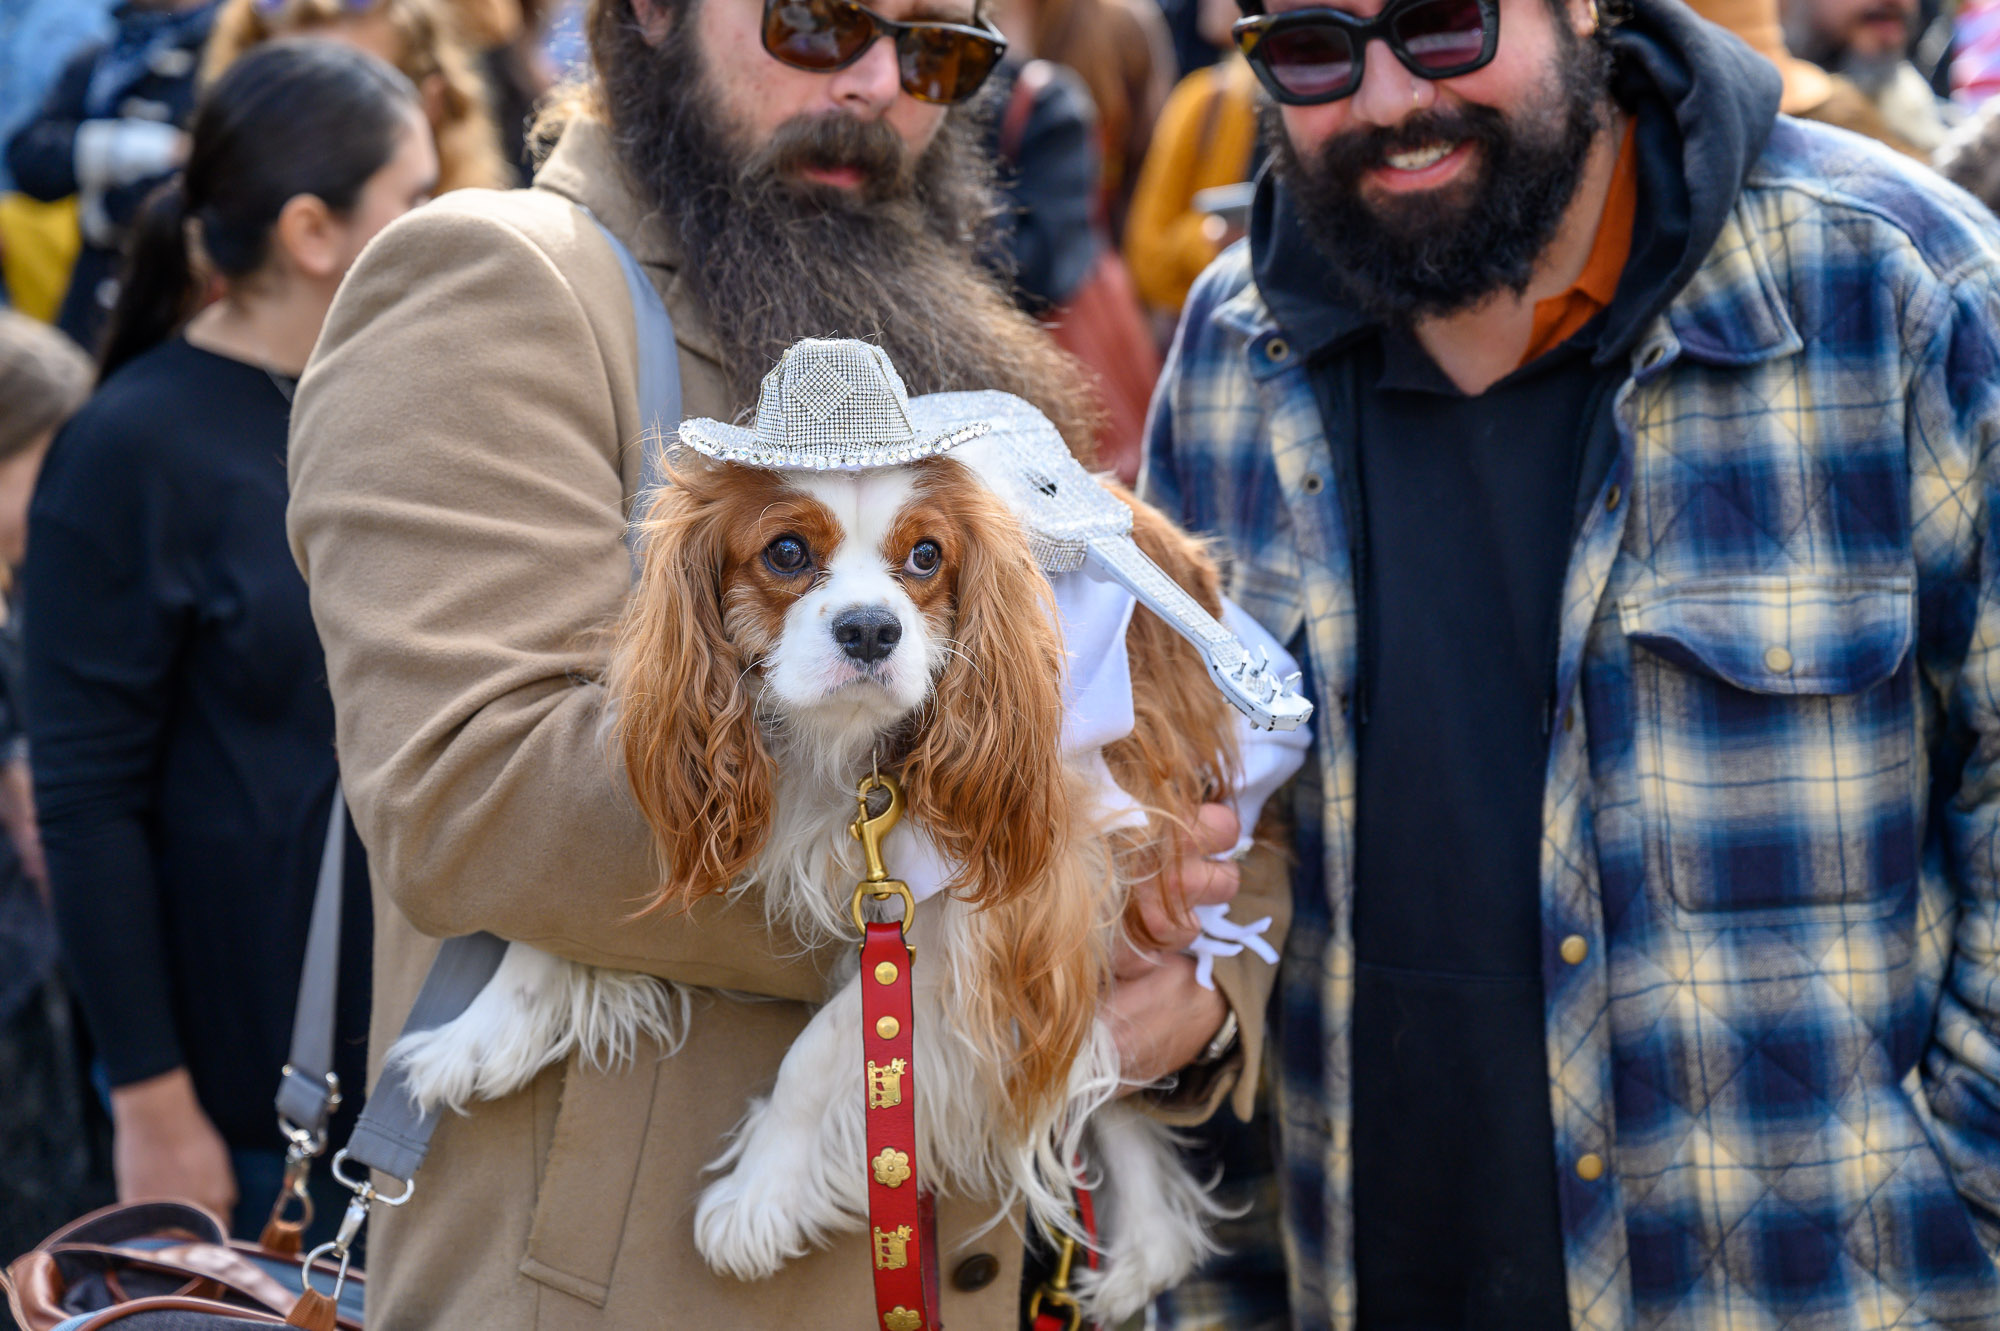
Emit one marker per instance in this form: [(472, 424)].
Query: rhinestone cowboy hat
[(837, 404)]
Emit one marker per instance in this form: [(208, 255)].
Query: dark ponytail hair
[(305, 116)]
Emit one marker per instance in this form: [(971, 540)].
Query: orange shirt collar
[(1558, 318)]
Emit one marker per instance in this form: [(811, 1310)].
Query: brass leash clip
[(1054, 1293), (869, 829)]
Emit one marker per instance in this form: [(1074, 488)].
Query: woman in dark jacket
[(178, 711)]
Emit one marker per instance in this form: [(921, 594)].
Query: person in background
[(1206, 138), (38, 241), (1867, 43), (182, 731), (1121, 50), (37, 39), (419, 37), (1063, 267), (44, 1149), (1810, 93), (108, 132), (1044, 140)]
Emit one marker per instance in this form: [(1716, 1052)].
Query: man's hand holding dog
[(1162, 1019)]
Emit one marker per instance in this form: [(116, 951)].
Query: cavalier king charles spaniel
[(789, 633)]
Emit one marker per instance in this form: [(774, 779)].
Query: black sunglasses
[(1309, 56), (939, 62)]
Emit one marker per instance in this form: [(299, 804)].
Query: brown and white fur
[(745, 724)]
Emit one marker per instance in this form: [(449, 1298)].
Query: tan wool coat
[(464, 451)]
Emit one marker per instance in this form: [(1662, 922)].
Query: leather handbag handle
[(218, 1316), (213, 1265)]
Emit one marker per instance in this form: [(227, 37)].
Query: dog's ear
[(986, 775), (685, 723)]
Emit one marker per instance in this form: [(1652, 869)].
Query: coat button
[(976, 1272), (1590, 1168), (1313, 483), (1574, 949), (1277, 348), (1777, 660)]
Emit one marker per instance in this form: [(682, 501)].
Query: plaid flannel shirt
[(1771, 821)]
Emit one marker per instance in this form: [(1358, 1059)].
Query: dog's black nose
[(867, 633)]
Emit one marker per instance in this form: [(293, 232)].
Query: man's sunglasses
[(1309, 56), (939, 62)]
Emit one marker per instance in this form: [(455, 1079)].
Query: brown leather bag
[(158, 1255)]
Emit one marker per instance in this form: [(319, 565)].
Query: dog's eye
[(787, 556), (923, 560)]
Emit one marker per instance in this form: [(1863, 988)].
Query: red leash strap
[(902, 1231)]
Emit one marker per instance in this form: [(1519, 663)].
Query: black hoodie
[(1463, 510)]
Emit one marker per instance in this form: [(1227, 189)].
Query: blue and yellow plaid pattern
[(1772, 810)]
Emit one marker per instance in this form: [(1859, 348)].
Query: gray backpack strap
[(393, 1133), (659, 363), (309, 1093)]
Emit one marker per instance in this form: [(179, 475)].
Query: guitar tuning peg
[(1292, 680)]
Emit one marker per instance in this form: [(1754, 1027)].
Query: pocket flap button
[(1777, 660)]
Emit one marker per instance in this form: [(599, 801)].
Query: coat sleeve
[(457, 510), (1954, 423), (103, 645), (1246, 981)]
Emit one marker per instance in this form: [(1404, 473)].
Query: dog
[(791, 631)]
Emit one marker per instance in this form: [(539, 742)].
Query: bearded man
[(467, 444), (1867, 42), (1623, 455)]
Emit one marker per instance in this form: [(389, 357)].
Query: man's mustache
[(835, 141), (1344, 158)]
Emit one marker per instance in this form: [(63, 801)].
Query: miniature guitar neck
[(1248, 683)]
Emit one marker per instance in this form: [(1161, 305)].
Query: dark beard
[(772, 258), (1405, 258)]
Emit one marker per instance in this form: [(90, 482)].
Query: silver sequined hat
[(836, 404)]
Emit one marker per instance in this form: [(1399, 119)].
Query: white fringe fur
[(535, 1011)]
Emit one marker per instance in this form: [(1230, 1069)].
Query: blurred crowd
[(152, 911)]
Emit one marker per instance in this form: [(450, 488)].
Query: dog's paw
[(747, 1224)]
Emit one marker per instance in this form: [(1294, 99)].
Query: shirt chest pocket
[(1774, 739)]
